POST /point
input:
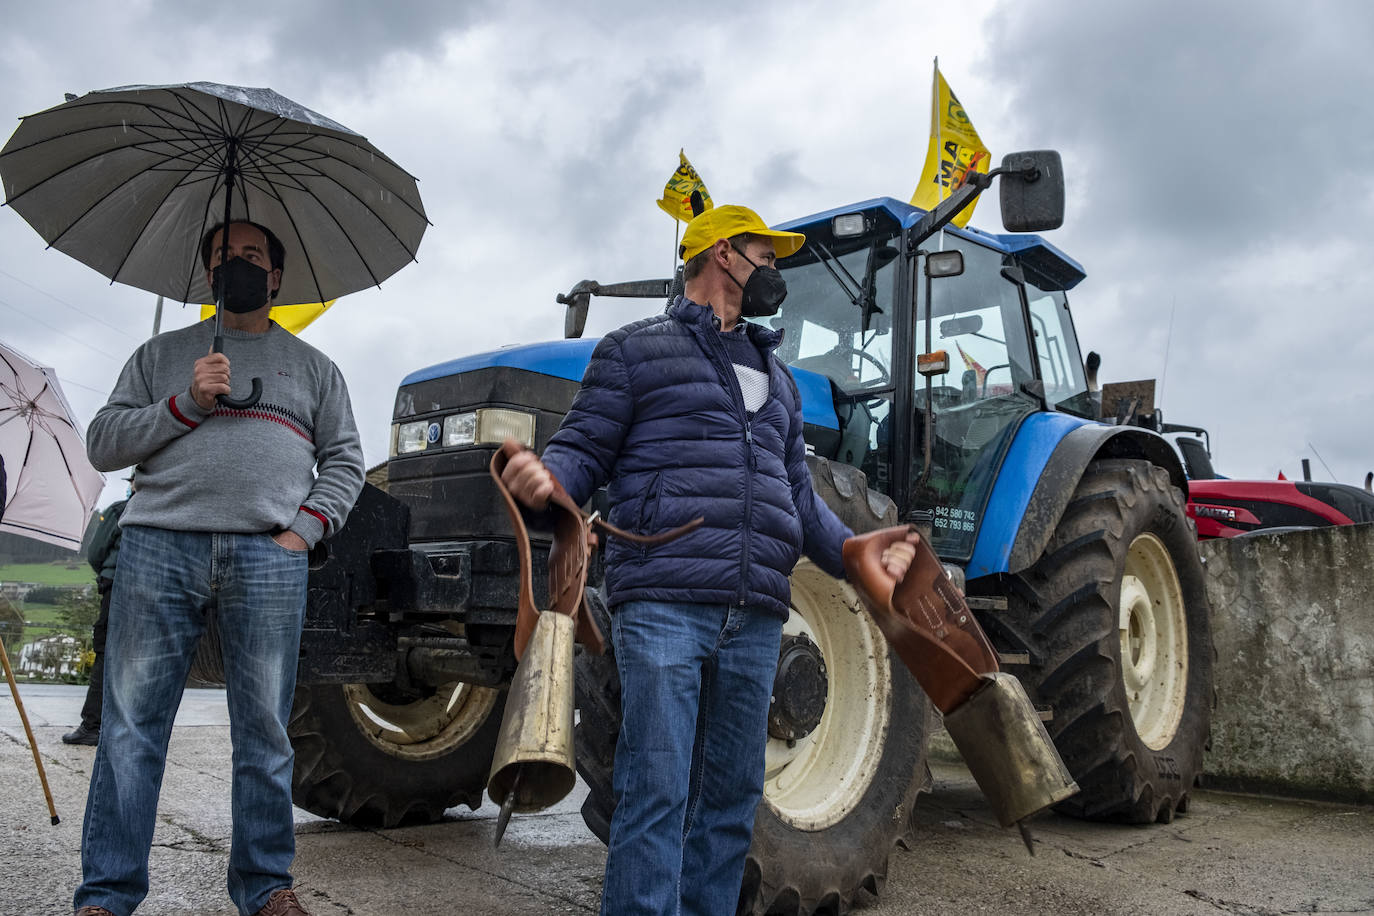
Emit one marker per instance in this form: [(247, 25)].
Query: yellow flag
[(292, 317), (955, 150), (677, 193)]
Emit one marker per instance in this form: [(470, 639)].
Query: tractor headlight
[(460, 429), (483, 426), (848, 225), (497, 424), (411, 437), (488, 426)]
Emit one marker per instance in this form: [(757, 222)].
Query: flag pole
[(935, 116), (677, 232), (935, 120)]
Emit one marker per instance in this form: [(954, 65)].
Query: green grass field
[(42, 619), (43, 614), (47, 574)]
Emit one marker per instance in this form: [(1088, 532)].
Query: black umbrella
[(129, 180)]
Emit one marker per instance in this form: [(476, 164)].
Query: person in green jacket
[(102, 554)]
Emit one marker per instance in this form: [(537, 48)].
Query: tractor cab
[(941, 389)]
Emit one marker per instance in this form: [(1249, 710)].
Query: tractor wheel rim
[(1153, 627), (426, 728), (817, 780)]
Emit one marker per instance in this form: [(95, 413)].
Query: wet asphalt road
[(1231, 854)]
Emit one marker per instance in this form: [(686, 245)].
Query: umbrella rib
[(165, 116), (364, 204), (357, 141), (148, 107), (295, 229), (278, 159), (204, 222), (364, 147), (347, 236), (153, 214), (281, 148), (156, 110), (143, 145), (210, 154)]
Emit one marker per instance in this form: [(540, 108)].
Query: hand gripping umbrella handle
[(237, 403)]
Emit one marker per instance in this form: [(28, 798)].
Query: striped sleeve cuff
[(310, 525), (185, 409)]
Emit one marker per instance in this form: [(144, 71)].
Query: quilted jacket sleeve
[(582, 454)]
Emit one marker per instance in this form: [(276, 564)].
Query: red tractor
[(1222, 507)]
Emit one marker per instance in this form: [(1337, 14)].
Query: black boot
[(84, 734)]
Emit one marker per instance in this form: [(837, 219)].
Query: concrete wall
[(1293, 623)]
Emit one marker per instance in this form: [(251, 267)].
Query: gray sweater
[(237, 471)]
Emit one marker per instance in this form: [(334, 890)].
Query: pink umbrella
[(51, 488)]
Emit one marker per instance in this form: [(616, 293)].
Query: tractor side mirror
[(957, 327), (1032, 188), (579, 302)]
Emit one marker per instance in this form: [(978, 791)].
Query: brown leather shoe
[(93, 911), (283, 902)]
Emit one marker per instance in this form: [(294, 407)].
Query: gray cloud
[(1218, 165), (1217, 154)]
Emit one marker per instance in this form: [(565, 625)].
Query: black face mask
[(763, 291), (244, 285)]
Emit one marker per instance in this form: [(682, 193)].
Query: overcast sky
[(1219, 157)]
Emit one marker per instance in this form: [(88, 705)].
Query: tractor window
[(864, 436), (978, 323), (1056, 347), (824, 318), (978, 320)]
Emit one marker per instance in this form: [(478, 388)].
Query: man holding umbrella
[(229, 503)]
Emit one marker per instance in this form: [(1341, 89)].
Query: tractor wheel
[(373, 760), (839, 792), (1114, 617), (837, 800)]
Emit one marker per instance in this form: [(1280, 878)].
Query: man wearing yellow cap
[(682, 415)]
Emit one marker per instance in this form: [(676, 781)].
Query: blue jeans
[(167, 582), (696, 681)]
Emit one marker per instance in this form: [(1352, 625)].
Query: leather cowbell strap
[(574, 538), (924, 617)]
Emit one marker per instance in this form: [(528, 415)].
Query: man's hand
[(898, 556), (876, 561), (528, 480), (290, 540), (209, 379)]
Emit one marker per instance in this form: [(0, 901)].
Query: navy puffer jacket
[(661, 421)]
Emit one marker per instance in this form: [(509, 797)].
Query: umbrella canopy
[(129, 180), (51, 489)]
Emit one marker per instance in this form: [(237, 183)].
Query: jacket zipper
[(718, 348), (648, 510)]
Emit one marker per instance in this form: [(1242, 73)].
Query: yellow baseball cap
[(728, 221)]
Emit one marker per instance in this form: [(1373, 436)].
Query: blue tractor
[(943, 386)]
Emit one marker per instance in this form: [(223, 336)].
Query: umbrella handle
[(243, 403), (224, 399)]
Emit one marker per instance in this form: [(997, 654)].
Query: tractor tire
[(372, 763), (836, 800), (1115, 621)]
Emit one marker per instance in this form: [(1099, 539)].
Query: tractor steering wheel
[(865, 356)]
